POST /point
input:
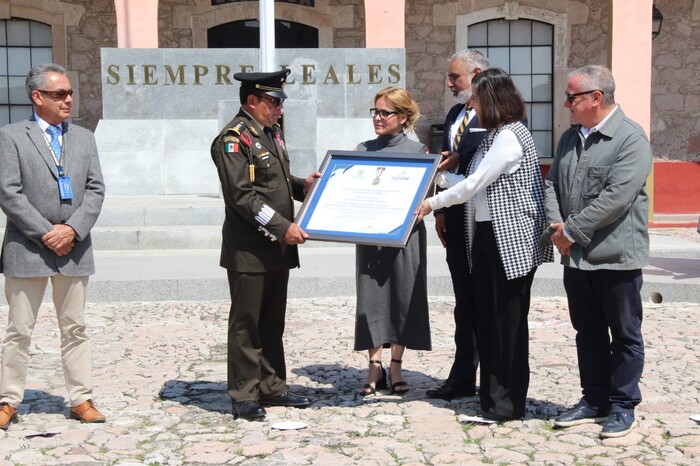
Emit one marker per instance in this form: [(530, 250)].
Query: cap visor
[(279, 94)]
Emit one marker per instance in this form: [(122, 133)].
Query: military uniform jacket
[(259, 193)]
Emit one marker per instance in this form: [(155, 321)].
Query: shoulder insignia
[(238, 130), (234, 129), (230, 144)]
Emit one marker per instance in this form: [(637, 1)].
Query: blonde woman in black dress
[(392, 297)]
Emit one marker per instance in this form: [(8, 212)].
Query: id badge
[(64, 188)]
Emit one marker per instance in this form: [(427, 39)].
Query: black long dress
[(392, 292)]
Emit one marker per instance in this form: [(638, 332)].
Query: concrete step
[(195, 275), (328, 269), (160, 248), (156, 238), (170, 222)]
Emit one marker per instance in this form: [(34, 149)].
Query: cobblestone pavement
[(160, 377)]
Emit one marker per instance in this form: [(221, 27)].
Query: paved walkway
[(160, 377)]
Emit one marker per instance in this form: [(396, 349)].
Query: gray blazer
[(29, 198)]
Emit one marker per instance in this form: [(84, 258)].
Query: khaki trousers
[(24, 297)]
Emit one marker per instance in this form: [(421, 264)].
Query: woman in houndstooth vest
[(505, 219)]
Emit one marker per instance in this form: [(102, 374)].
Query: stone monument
[(163, 107)]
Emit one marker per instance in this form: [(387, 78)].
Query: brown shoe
[(7, 415), (87, 412)]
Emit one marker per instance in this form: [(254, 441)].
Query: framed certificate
[(367, 197)]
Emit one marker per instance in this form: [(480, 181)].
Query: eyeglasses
[(570, 97), (382, 114), (276, 101), (60, 94)]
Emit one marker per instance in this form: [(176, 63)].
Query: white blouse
[(504, 156)]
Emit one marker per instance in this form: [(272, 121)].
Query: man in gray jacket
[(596, 202), (51, 191)]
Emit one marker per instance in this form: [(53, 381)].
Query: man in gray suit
[(51, 191)]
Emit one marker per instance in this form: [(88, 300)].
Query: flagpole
[(267, 35)]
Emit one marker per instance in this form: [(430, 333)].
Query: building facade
[(537, 41)]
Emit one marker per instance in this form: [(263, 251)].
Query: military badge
[(246, 140)]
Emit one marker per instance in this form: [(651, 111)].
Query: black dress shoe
[(287, 399), (450, 390), (249, 410)]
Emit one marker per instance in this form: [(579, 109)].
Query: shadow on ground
[(204, 394), (38, 401), (341, 385)]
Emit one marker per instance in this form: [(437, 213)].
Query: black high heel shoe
[(398, 388), (380, 384)]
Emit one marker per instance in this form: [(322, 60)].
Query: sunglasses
[(570, 97), (60, 94), (382, 114), (276, 101)]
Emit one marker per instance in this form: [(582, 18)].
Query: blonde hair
[(403, 102)]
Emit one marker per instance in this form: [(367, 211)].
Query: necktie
[(270, 136), (460, 131), (54, 131)]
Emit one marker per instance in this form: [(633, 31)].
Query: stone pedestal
[(163, 107)]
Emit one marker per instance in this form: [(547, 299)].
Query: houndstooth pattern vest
[(516, 206)]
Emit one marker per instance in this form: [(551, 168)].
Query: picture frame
[(367, 197)]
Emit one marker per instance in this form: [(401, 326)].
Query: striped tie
[(460, 131)]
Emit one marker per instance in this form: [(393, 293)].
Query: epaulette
[(237, 129)]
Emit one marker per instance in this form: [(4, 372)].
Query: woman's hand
[(423, 210)]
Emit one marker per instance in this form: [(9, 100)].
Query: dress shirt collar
[(588, 131)]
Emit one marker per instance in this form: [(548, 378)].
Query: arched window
[(23, 44), (246, 34), (524, 49)]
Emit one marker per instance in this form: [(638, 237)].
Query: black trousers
[(255, 366), (502, 332), (466, 359), (606, 311)]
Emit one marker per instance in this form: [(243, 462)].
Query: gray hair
[(472, 58), (597, 77), (36, 78)]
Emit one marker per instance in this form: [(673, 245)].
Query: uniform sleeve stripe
[(265, 214)]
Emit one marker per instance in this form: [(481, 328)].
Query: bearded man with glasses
[(462, 136), (51, 191)]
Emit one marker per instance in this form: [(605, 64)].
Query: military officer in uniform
[(259, 243)]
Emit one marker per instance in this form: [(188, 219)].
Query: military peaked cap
[(267, 83)]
